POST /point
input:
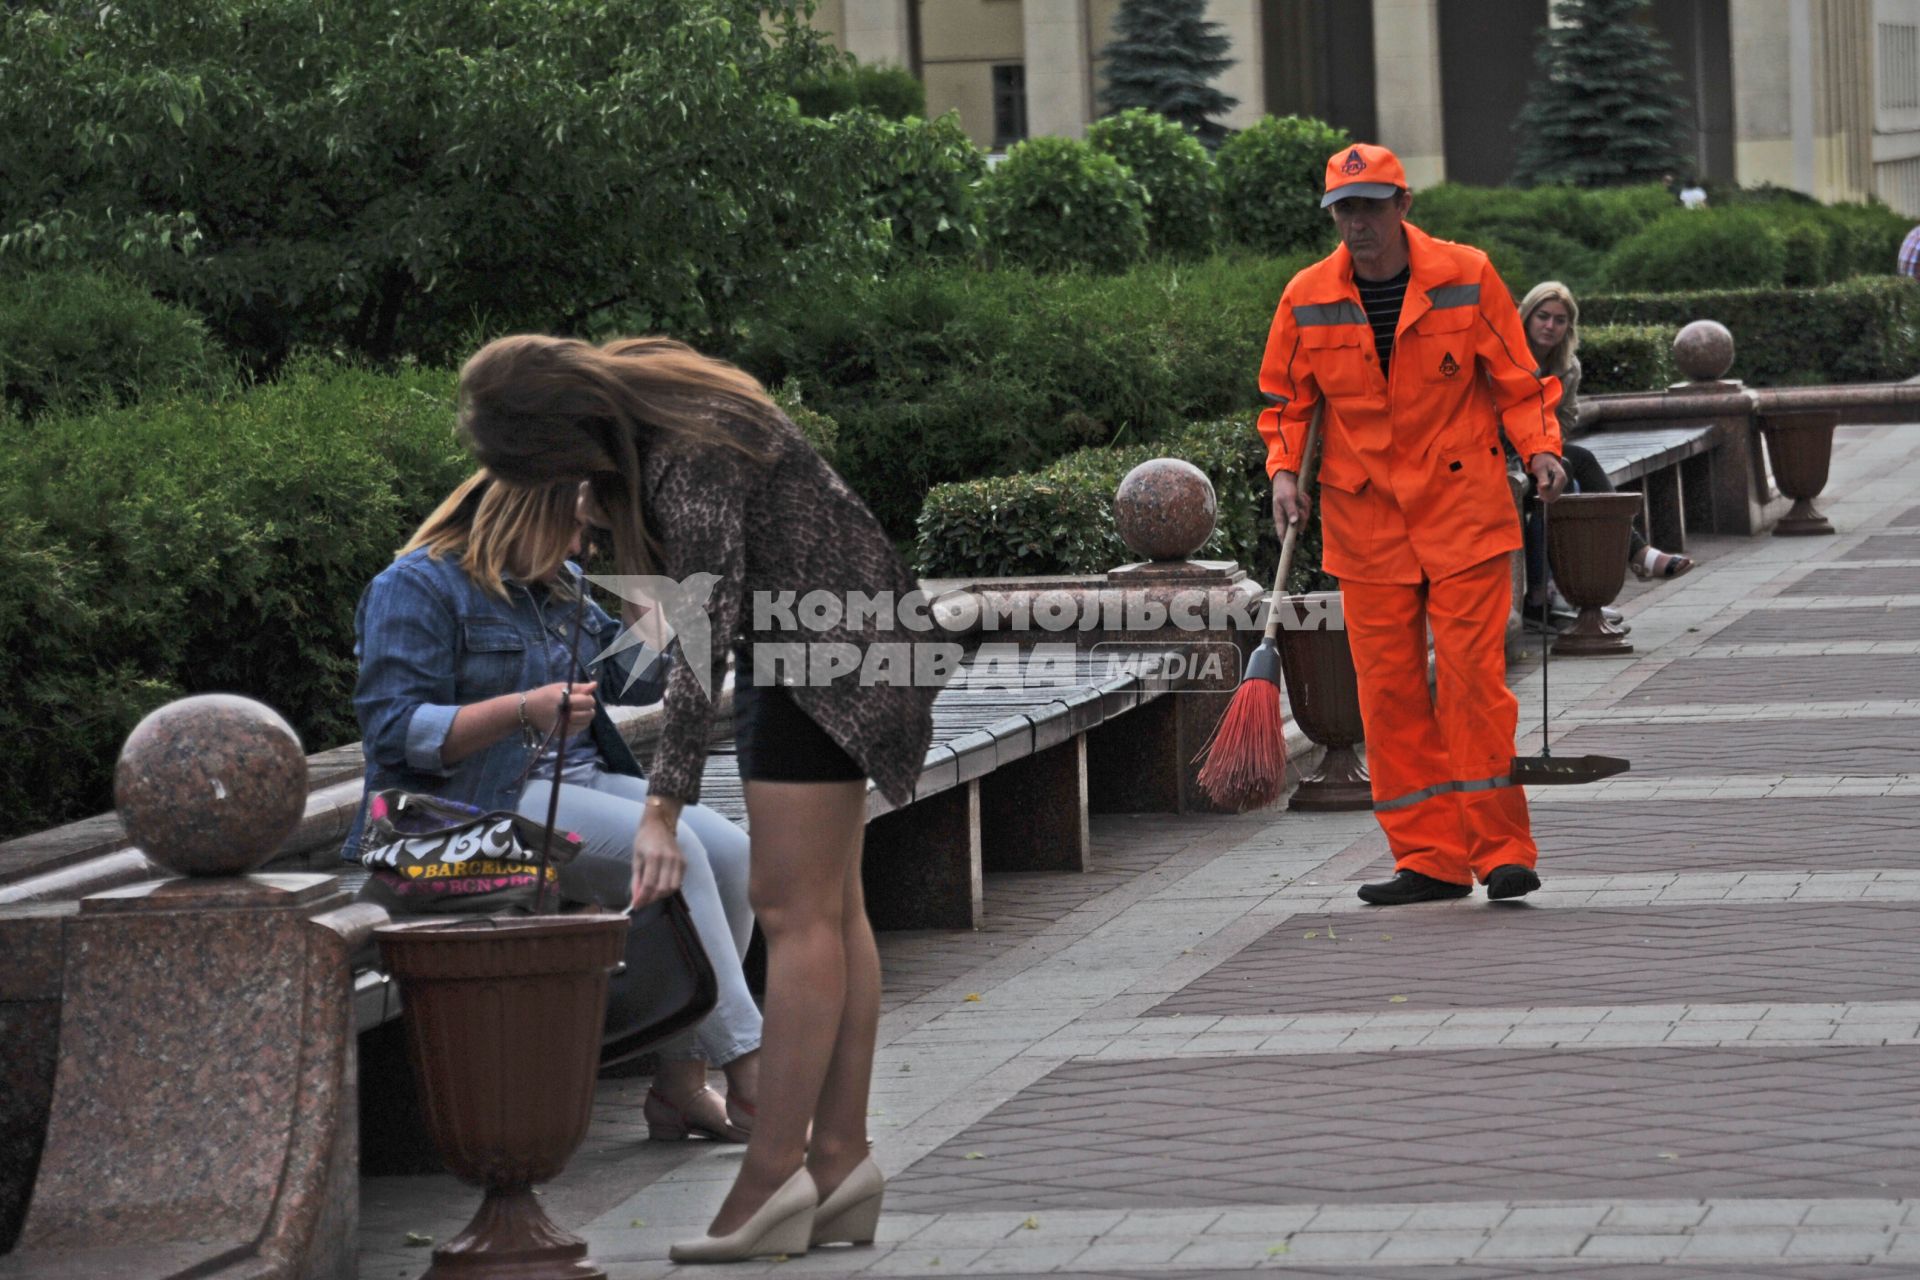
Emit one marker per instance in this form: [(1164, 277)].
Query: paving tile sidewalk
[(1693, 1053)]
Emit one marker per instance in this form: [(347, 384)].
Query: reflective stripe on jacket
[(1412, 481)]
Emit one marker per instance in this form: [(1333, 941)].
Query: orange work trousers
[(1440, 764)]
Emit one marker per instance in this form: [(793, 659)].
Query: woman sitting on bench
[(466, 657), (1552, 320)]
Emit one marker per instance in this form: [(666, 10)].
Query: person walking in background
[(466, 658), (1415, 348), (1552, 321), (1909, 261), (696, 471)]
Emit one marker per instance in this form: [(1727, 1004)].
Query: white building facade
[(1822, 96)]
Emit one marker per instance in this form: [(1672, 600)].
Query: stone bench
[(1672, 466)]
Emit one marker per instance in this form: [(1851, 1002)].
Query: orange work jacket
[(1413, 482)]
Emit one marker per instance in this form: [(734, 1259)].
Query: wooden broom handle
[(1309, 461)]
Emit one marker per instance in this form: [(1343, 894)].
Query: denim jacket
[(430, 641)]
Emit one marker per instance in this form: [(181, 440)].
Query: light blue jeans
[(605, 809)]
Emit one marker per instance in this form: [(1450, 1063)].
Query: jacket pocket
[(1443, 346), (1341, 357), (492, 659), (1343, 474)]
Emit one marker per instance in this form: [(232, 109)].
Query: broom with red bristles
[(1246, 758)]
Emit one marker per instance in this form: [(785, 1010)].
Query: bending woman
[(698, 473), (466, 656), (1552, 320)]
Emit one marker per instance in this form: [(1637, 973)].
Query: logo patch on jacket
[(1448, 365), (1353, 163)]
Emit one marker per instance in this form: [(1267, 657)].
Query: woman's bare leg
[(806, 843), (840, 1120)]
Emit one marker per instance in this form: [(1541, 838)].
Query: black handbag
[(664, 985)]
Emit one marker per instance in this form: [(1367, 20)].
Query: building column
[(1406, 54), (879, 31), (1246, 79), (1771, 78), (1800, 110), (1059, 67)]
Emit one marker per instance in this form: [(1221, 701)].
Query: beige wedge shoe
[(783, 1225), (851, 1214)]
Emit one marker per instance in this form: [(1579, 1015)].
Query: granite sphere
[(211, 785), (1703, 350), (1164, 509)]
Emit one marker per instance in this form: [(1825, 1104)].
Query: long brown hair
[(501, 531), (538, 410)]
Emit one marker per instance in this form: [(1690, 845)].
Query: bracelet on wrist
[(529, 736)]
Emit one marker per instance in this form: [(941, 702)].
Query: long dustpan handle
[(1309, 463), (1546, 628)]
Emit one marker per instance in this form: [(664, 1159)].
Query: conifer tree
[(1164, 57), (1607, 112)]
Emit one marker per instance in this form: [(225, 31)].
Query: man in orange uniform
[(1416, 348)]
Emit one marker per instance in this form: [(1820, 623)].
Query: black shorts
[(778, 742)]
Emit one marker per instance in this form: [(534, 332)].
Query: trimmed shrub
[(1862, 330), (1060, 520), (1176, 172), (1271, 180), (920, 177), (1546, 233), (1808, 246), (184, 547), (80, 339), (1700, 249), (1866, 238), (1626, 357), (888, 91), (939, 374), (1056, 203)]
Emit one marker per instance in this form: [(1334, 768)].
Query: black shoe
[(1511, 881), (1411, 886)]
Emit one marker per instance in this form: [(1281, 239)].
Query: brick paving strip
[(1763, 1040)]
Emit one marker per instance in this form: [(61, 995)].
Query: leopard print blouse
[(788, 524)]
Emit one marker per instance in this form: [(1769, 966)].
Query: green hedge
[(1703, 249), (81, 339), (1059, 520), (1626, 357), (1271, 177), (1865, 330), (939, 374), (1175, 171), (1056, 203), (182, 547)]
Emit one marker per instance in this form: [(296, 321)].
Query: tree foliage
[(390, 178), (1606, 111), (1164, 58), (1056, 203), (1271, 177), (1176, 173)]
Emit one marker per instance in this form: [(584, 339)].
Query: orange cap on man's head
[(1363, 170)]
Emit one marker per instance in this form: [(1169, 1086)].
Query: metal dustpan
[(1547, 769)]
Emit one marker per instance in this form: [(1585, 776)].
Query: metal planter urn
[(1800, 450), (1324, 694), (503, 1022), (1588, 536)]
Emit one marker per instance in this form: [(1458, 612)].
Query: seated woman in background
[(1552, 321), (466, 659)]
